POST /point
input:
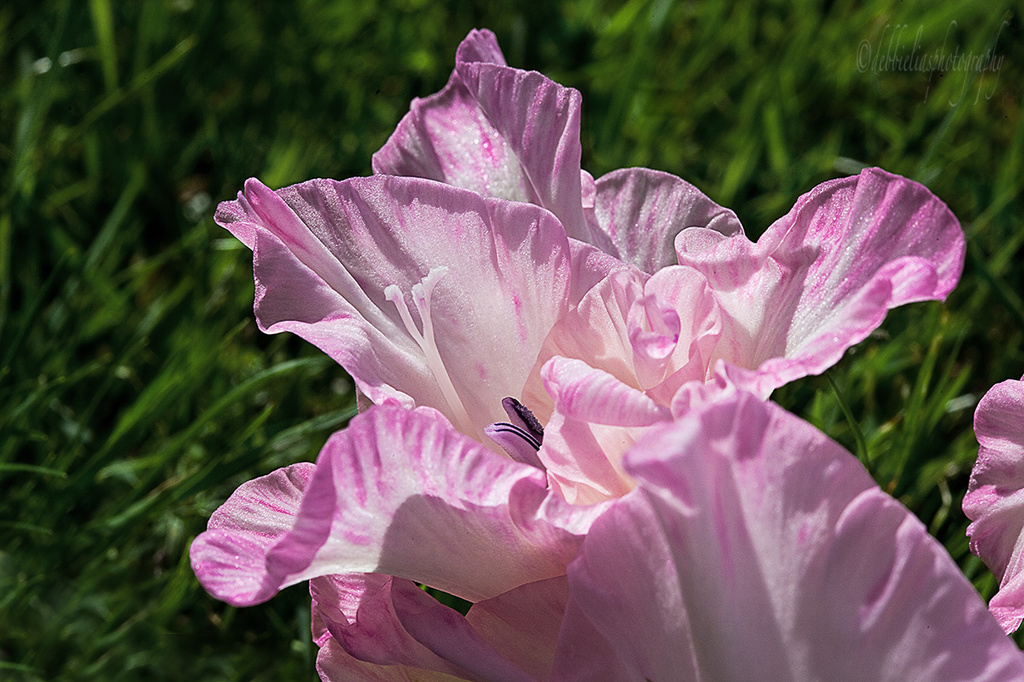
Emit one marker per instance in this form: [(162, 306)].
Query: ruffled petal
[(653, 333), (447, 633), (498, 131), (584, 393), (228, 557), (426, 294), (448, 138), (596, 419), (995, 497), (395, 623), (642, 210), (755, 548), (822, 277), (399, 492)]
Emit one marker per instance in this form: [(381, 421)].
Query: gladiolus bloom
[(559, 370)]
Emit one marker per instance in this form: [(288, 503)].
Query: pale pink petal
[(822, 277), (228, 557), (596, 331), (540, 123), (684, 293), (995, 497), (400, 492), (754, 548), (523, 624), (596, 419), (426, 294), (447, 137), (581, 392), (653, 333), (583, 459), (590, 265), (498, 131), (642, 210)]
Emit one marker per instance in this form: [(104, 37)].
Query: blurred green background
[(136, 391)]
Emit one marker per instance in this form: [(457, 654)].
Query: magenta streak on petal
[(822, 277), (399, 492)]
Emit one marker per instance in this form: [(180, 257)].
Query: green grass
[(136, 392)]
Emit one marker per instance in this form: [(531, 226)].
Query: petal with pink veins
[(596, 419), (451, 636), (398, 492), (426, 294), (755, 548), (642, 210), (499, 131), (995, 497), (822, 277), (334, 664)]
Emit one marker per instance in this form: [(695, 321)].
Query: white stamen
[(425, 339)]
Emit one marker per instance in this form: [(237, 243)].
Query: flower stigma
[(521, 436)]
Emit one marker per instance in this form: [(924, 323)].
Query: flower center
[(421, 298), (521, 436)]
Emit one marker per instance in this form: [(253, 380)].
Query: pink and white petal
[(513, 633), (539, 123), (755, 548), (685, 292), (642, 210), (227, 558), (596, 331), (995, 497), (523, 624), (498, 131), (652, 333), (590, 265), (596, 420), (583, 459), (480, 45), (358, 611), (335, 261), (334, 664), (582, 392), (822, 277), (447, 137), (443, 135), (400, 492)]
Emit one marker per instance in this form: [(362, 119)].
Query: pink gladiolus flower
[(751, 547), (994, 499), (490, 298), (455, 288)]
